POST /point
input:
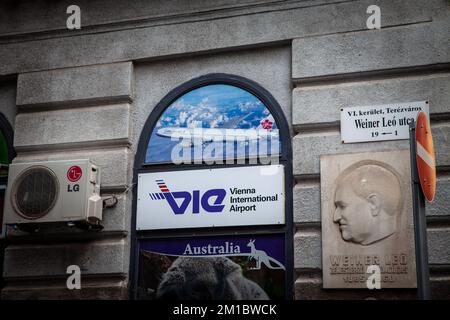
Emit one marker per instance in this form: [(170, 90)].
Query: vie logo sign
[(205, 198), (215, 195)]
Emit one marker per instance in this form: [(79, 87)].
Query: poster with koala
[(367, 222), (213, 268)]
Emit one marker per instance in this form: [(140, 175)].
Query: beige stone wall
[(367, 67), (88, 92)]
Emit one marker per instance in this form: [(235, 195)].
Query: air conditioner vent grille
[(35, 192)]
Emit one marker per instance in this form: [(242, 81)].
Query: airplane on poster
[(194, 136)]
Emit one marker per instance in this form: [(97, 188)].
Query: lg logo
[(73, 175), (216, 196)]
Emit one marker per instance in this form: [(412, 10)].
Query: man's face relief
[(352, 214)]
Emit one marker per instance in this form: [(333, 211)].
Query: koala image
[(207, 278)]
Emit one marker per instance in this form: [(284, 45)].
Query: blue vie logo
[(187, 197)]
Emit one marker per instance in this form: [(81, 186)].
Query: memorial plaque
[(367, 220)]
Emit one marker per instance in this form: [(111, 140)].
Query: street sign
[(426, 164), (379, 122), (420, 220)]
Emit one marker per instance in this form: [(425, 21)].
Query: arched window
[(208, 118), (6, 156), (214, 180)]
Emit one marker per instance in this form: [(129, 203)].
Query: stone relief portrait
[(367, 202), (366, 219)]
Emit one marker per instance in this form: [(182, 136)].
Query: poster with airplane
[(214, 122)]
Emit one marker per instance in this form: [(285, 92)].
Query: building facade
[(88, 93)]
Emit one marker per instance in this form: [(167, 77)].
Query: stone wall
[(367, 67), (68, 114), (87, 93)]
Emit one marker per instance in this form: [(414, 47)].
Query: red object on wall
[(74, 173), (426, 163)]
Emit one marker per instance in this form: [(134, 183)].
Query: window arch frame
[(284, 158), (8, 133)]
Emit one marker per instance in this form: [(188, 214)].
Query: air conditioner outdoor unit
[(53, 191)]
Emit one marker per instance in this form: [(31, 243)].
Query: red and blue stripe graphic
[(164, 189)]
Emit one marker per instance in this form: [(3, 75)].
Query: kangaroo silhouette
[(261, 256)]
